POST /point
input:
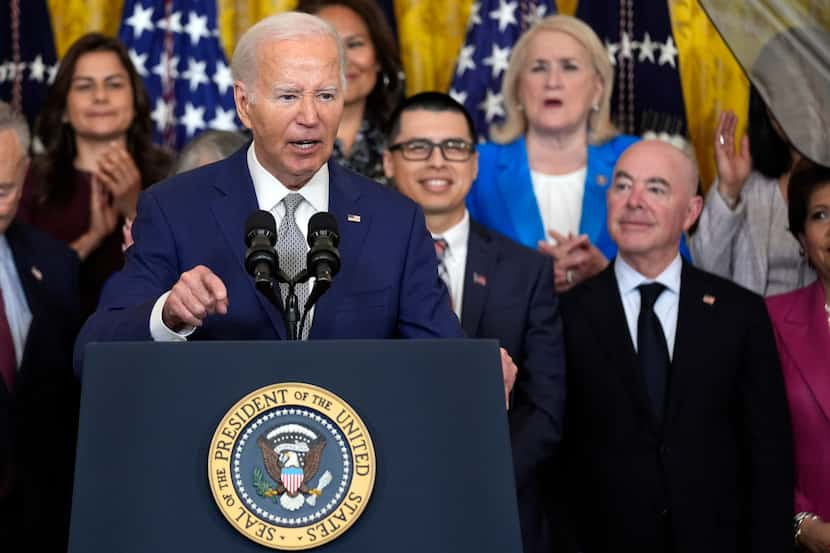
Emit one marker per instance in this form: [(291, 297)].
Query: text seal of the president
[(291, 466)]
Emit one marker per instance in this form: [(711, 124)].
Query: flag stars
[(497, 60), (505, 14), (140, 62), (647, 48), (196, 28), (611, 48), (37, 69), (161, 115), (223, 120), (167, 67), (141, 20), (667, 52), (222, 77), (626, 46), (536, 14), (172, 23), (195, 73), (459, 96), (492, 106), (465, 60), (193, 119), (475, 16)]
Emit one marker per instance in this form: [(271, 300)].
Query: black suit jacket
[(38, 421), (509, 295), (718, 476)]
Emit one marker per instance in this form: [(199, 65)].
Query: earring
[(595, 107), (385, 79)]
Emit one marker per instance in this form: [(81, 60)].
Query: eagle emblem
[(291, 455)]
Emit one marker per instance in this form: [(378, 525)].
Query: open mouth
[(553, 103), (305, 145)]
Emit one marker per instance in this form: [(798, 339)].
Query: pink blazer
[(803, 339)]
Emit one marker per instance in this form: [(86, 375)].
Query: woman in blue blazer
[(556, 135)]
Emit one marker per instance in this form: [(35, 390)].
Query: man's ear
[(243, 100), (388, 164)]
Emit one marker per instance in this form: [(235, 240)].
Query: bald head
[(676, 151), (653, 200)]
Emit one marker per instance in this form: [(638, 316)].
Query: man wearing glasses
[(498, 289)]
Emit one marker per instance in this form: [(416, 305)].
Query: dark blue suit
[(38, 420), (387, 286), (509, 295)]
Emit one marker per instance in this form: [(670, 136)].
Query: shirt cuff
[(159, 330)]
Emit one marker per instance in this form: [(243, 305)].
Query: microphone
[(261, 260), (323, 259)]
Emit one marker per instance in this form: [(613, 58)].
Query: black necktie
[(652, 350)]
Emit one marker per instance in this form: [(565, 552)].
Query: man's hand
[(197, 294), (508, 373)]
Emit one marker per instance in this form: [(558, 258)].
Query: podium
[(434, 409)]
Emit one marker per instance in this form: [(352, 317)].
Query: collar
[(270, 191), (629, 279), (456, 236)]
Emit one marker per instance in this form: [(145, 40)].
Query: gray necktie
[(292, 249)]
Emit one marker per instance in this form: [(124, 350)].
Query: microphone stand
[(292, 309)]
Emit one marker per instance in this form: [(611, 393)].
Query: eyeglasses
[(420, 149)]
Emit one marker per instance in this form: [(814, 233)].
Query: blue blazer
[(509, 296), (388, 285), (502, 196)]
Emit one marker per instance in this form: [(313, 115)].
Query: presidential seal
[(291, 466)]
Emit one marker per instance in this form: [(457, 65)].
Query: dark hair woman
[(96, 131), (374, 80)]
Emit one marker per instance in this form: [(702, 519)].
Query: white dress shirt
[(18, 313), (666, 305), (269, 194), (455, 259), (559, 198)]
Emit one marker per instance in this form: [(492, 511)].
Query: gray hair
[(206, 148), (282, 26), (13, 120)]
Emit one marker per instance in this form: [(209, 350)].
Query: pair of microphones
[(262, 262)]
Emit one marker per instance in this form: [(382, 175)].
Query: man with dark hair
[(39, 317), (678, 434), (498, 289)]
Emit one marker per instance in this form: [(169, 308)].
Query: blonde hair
[(600, 128)]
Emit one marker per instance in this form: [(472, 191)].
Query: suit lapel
[(516, 192), (354, 224), (234, 201), (608, 316), (693, 314), (805, 332), (482, 258), (32, 289)]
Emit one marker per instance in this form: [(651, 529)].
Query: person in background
[(39, 318), (742, 234), (96, 129), (374, 77), (801, 321), (499, 289), (677, 432), (543, 177), (207, 147)]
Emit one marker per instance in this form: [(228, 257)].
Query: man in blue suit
[(498, 288), (185, 275)]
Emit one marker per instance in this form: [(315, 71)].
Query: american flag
[(292, 478), (174, 45), (493, 28), (27, 55)]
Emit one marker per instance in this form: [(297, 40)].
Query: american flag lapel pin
[(709, 299), (352, 218), (481, 280), (36, 273)]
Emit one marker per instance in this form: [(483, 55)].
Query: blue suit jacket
[(387, 286), (509, 296), (502, 196)]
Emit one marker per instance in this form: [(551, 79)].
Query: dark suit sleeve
[(424, 305), (127, 300), (536, 417), (766, 438)]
